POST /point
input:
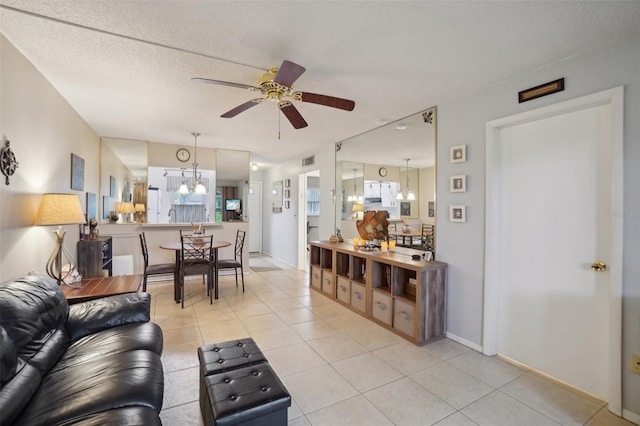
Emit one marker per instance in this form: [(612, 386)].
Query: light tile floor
[(342, 369)]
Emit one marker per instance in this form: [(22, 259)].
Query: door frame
[(258, 211), (494, 237)]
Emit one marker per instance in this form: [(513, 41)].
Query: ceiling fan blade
[(325, 100), (288, 73), (241, 108), (224, 83), (292, 114)]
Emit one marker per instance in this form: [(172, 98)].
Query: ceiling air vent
[(309, 161)]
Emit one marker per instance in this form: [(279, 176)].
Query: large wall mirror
[(392, 168), (150, 183)]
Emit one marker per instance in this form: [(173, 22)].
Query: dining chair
[(427, 238), (236, 262), (196, 258), (154, 269), (392, 229)]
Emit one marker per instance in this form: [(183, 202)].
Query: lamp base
[(54, 264)]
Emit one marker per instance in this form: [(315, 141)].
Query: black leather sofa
[(91, 363)]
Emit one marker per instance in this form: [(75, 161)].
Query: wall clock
[(183, 154), (8, 162), (382, 171)]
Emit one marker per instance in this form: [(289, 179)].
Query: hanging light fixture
[(198, 187), (354, 197), (409, 195), (184, 189)]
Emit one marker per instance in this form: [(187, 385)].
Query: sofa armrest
[(107, 312)]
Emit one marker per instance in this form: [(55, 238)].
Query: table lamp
[(60, 209), (139, 208), (126, 208)]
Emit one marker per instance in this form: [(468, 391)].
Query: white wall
[(280, 230), (44, 130), (462, 245)]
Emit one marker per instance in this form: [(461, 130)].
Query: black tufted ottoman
[(239, 387)]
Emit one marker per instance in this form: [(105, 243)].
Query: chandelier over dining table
[(198, 187)]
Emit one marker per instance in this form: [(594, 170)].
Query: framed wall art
[(106, 204), (458, 154), (286, 204), (458, 183), (112, 186), (287, 193), (77, 173), (287, 183), (92, 206), (457, 214)]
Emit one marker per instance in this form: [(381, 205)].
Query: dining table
[(405, 236), (177, 247)]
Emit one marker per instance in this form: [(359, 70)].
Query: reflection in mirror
[(123, 179), (276, 196), (232, 188), (172, 197), (391, 162)]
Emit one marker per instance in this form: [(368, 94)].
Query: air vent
[(309, 161)]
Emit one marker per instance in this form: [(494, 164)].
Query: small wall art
[(106, 201), (112, 186), (432, 209), (458, 183), (287, 183), (92, 206), (458, 154), (457, 214), (286, 204), (287, 193), (77, 173)]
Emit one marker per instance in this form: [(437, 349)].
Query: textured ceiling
[(393, 58)]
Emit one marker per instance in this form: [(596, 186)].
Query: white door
[(255, 217), (553, 221)]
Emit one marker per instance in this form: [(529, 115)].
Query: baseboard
[(465, 342), (631, 416)]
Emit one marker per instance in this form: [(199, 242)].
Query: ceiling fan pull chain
[(278, 123)]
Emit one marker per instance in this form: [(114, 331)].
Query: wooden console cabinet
[(94, 256), (403, 295)]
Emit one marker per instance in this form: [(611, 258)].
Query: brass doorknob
[(598, 266)]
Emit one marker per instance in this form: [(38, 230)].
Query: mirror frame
[(373, 159)]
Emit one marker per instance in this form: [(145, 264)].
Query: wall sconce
[(254, 167)]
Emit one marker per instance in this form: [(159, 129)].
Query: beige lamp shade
[(59, 209), (126, 208), (139, 207), (357, 208)]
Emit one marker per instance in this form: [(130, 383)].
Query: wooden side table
[(95, 288)]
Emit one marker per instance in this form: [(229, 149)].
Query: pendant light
[(184, 189), (410, 196), (199, 188)]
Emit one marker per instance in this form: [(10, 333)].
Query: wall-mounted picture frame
[(112, 186), (286, 204), (457, 214), (77, 172), (458, 183), (287, 193), (106, 201), (92, 205), (287, 183), (432, 209), (405, 208), (458, 154)]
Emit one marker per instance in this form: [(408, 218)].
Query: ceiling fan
[(276, 85)]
